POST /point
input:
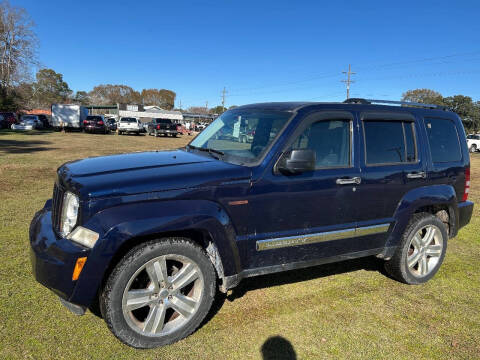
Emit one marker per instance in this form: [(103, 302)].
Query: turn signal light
[(78, 267)]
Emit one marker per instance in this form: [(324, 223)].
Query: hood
[(145, 172)]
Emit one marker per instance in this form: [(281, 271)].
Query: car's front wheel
[(421, 251), (473, 148), (158, 293)]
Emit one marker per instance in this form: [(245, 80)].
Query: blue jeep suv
[(150, 237)]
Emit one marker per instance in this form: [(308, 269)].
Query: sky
[(262, 50)]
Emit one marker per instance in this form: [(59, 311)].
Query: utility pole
[(348, 81), (223, 96), (206, 106), (180, 104)]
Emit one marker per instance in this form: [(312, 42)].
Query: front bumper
[(53, 259)]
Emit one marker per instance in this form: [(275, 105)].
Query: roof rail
[(404, 103)]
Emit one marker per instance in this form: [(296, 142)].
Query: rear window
[(163, 121), (128, 120), (96, 118), (443, 140), (389, 142)]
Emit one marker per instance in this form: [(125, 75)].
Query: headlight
[(83, 236), (69, 216)]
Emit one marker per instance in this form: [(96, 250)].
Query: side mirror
[(297, 161)]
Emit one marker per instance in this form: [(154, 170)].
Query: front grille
[(57, 202)]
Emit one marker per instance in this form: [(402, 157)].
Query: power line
[(367, 68), (348, 81)]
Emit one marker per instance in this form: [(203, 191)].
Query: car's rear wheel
[(421, 251), (473, 148), (159, 293)]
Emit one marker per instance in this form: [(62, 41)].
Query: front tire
[(421, 250), (158, 293), (473, 148)]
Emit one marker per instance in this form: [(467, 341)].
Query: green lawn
[(344, 310)]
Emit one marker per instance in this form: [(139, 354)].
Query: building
[(144, 113)]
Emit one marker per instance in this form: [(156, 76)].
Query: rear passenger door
[(391, 165)]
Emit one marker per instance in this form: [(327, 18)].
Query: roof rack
[(403, 103)]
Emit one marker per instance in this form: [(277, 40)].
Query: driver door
[(303, 217)]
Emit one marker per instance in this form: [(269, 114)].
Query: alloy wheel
[(424, 251), (163, 295)]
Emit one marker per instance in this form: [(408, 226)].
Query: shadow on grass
[(294, 276), (26, 132), (278, 348), (23, 147)]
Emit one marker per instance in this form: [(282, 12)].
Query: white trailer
[(68, 116)]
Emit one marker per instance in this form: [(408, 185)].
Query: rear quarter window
[(443, 140)]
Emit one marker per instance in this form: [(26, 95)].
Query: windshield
[(473, 137), (242, 135), (163, 121), (29, 117)]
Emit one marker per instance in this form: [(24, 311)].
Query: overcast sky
[(262, 50)]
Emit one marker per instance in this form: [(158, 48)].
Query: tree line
[(464, 106)]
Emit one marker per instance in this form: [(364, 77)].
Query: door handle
[(417, 175), (349, 181)]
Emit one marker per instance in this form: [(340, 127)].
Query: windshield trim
[(235, 160)]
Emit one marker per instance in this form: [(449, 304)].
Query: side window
[(389, 142), (331, 141), (443, 140)]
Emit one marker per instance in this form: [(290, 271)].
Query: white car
[(28, 122), (473, 142), (130, 125)]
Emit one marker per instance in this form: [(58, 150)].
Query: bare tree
[(18, 45)]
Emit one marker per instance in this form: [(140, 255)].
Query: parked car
[(28, 122), (95, 124), (111, 124), (130, 125), (9, 117), (45, 122), (473, 142), (151, 236), (182, 130), (200, 126), (162, 127)]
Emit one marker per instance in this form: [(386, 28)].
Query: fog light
[(83, 236)]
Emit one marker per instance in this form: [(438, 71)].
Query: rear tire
[(159, 293), (421, 250), (473, 148)]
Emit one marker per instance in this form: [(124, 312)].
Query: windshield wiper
[(209, 150)]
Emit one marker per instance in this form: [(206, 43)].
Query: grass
[(344, 310)]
